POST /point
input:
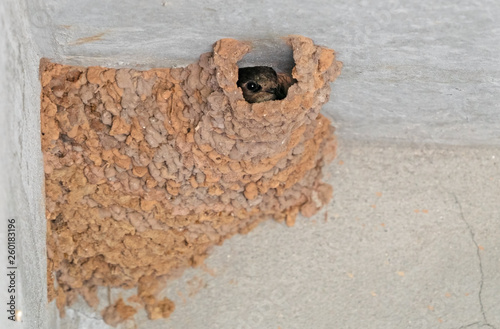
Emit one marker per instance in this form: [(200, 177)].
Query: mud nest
[(145, 171)]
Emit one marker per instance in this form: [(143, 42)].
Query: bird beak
[(271, 91)]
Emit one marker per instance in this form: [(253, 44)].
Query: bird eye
[(252, 86)]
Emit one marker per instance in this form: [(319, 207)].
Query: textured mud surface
[(146, 170)]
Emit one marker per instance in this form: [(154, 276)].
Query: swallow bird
[(262, 83)]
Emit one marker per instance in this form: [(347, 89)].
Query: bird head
[(258, 83)]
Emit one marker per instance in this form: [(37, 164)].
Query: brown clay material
[(117, 313), (145, 171)]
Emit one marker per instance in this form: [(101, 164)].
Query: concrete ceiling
[(414, 71)]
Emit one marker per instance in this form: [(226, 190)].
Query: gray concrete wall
[(21, 169), (416, 74), (414, 70)]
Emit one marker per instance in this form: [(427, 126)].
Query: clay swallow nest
[(145, 171)]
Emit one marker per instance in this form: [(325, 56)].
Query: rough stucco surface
[(413, 71)]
